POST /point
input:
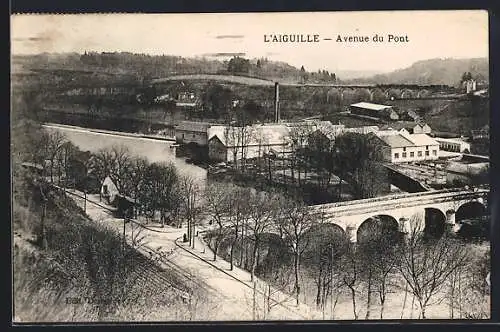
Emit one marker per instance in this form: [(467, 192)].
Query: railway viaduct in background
[(433, 208), (371, 92)]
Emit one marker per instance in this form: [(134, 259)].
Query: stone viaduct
[(365, 92), (434, 208)]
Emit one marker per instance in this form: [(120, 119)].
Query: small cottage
[(109, 191)]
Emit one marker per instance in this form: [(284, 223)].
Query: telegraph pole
[(124, 239)]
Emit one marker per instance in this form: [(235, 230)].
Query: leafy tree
[(238, 65), (218, 100), (303, 75), (159, 189), (357, 158), (466, 76)]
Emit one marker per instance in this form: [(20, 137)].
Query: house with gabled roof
[(192, 132), (401, 146), (229, 144)]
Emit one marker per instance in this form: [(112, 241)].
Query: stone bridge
[(341, 92), (434, 208), (380, 93)]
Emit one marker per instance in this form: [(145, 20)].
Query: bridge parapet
[(399, 207), (394, 197), (402, 204)]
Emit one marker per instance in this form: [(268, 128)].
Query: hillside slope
[(434, 71), (83, 272)]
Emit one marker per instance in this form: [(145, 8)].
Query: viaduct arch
[(434, 210)]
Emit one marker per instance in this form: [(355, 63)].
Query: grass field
[(217, 78)]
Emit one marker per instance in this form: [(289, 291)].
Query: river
[(151, 149)]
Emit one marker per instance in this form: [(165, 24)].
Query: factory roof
[(396, 141), (371, 106), (193, 126), (422, 139), (268, 134)]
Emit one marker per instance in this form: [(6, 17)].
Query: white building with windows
[(453, 145), (401, 147), (230, 144)]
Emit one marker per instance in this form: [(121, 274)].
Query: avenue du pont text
[(315, 38)]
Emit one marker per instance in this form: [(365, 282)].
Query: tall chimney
[(276, 102)]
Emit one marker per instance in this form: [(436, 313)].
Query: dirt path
[(232, 290)]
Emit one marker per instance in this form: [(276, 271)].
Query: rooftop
[(330, 130), (255, 135), (451, 140), (422, 139), (193, 126), (371, 106), (396, 141)]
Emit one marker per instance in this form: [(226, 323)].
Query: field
[(217, 78)]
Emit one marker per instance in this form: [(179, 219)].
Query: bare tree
[(427, 264), (378, 245), (135, 181), (298, 141), (263, 208), (114, 162), (217, 206), (233, 140), (54, 143), (239, 211), (262, 141), (294, 221), (280, 279), (323, 258), (190, 203), (351, 274)]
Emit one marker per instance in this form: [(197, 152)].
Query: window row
[(412, 154)]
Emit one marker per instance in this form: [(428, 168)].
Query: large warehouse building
[(374, 110)]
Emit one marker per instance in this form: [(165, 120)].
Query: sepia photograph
[(295, 166)]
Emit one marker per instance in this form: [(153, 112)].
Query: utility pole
[(124, 239), (331, 281), (254, 306), (44, 212)]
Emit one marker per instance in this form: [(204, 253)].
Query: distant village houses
[(470, 86), (483, 133)]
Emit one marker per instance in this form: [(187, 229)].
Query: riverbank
[(154, 150), (110, 132)]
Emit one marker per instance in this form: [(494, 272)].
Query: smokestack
[(276, 102)]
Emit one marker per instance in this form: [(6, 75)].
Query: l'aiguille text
[(291, 38)]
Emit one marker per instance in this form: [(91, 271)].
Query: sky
[(431, 34)]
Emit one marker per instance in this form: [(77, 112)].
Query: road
[(231, 290)]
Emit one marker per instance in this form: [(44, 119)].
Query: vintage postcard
[(250, 166)]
